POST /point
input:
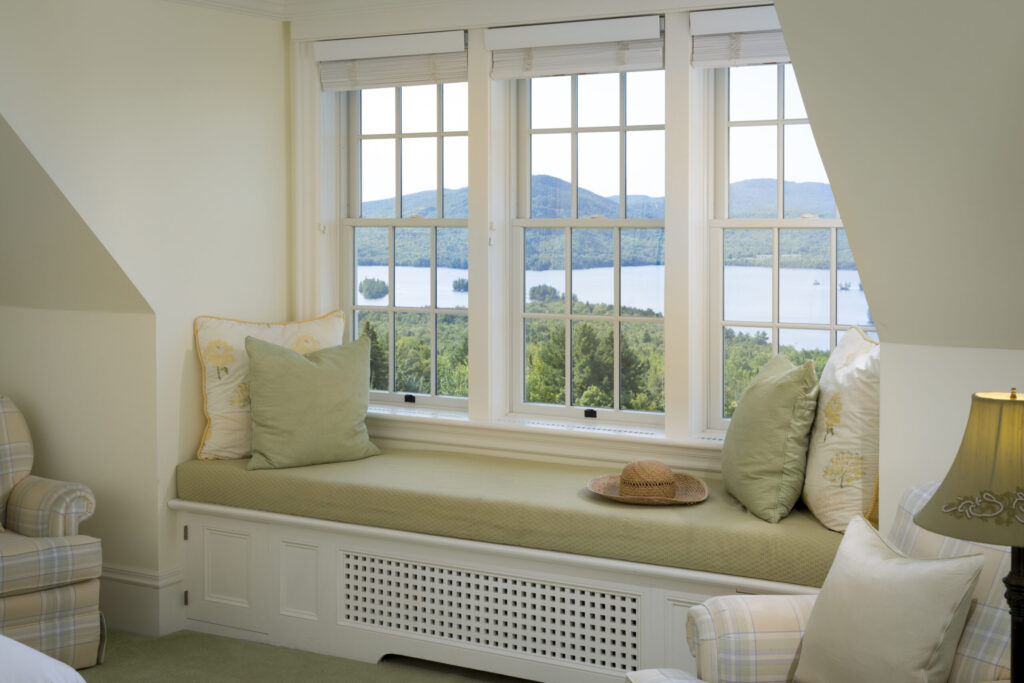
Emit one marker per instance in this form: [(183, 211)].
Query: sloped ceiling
[(918, 110), (49, 258)]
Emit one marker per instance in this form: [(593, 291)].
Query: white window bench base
[(364, 592)]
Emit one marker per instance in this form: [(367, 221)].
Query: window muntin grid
[(785, 280), (591, 278), (409, 244)]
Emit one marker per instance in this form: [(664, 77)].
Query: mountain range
[(551, 199)]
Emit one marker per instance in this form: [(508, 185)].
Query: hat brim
[(689, 490)]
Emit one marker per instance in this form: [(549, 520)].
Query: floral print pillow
[(220, 343)]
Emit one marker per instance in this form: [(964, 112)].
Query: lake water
[(804, 293)]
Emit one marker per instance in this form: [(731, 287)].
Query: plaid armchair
[(756, 638), (49, 575)]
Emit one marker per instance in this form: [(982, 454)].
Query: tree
[(593, 364), (460, 285), (412, 365), (545, 361), (378, 357), (372, 288)]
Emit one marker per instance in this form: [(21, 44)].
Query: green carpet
[(189, 656)]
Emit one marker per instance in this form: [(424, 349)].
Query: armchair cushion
[(47, 507), (748, 638), (32, 564)]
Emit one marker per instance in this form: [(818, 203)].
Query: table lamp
[(982, 497)]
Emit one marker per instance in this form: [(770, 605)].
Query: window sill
[(535, 438)]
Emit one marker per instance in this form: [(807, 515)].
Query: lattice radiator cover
[(535, 619)]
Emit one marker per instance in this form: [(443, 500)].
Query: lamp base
[(1014, 582)]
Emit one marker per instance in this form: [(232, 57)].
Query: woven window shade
[(739, 49), (629, 55), (380, 72)]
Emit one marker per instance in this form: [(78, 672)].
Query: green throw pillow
[(308, 409), (765, 451)]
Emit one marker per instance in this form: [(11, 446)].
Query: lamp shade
[(982, 497)]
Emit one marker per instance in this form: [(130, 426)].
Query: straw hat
[(649, 482)]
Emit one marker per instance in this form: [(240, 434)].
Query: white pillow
[(842, 458), (881, 616), (220, 343)]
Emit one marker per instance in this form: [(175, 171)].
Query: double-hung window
[(592, 241), (588, 225), (784, 277), (402, 122), (409, 237)]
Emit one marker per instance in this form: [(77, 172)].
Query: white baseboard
[(142, 601)]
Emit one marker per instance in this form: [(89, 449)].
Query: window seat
[(523, 503)]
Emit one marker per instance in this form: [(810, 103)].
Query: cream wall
[(165, 126), (916, 108)]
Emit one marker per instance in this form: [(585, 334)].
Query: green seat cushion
[(523, 503), (308, 409), (765, 451)]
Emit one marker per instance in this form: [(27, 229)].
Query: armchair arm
[(45, 507), (748, 638)]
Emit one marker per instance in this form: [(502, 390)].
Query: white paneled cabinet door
[(226, 560)]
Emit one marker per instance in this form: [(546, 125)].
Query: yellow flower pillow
[(220, 343), (842, 459)]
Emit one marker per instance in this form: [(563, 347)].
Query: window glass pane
[(452, 268), (544, 349), (456, 176), (745, 350), (597, 100), (800, 346), (851, 304), (374, 324), (550, 102), (456, 106), (804, 276), (419, 109), (645, 98), (593, 363), (806, 192), (753, 172), (793, 102), (593, 272), (544, 254), (412, 267), (551, 167), (452, 355), (747, 259), (642, 272), (642, 366), (377, 178), (753, 93), (371, 255), (419, 177), (412, 352), (645, 174), (377, 111), (597, 171)]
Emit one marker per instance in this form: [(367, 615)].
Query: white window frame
[(491, 424), (721, 222), (349, 224), (567, 225)]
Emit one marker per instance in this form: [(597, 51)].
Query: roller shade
[(630, 44), (737, 37), (391, 61)]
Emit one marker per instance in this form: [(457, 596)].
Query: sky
[(753, 97)]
